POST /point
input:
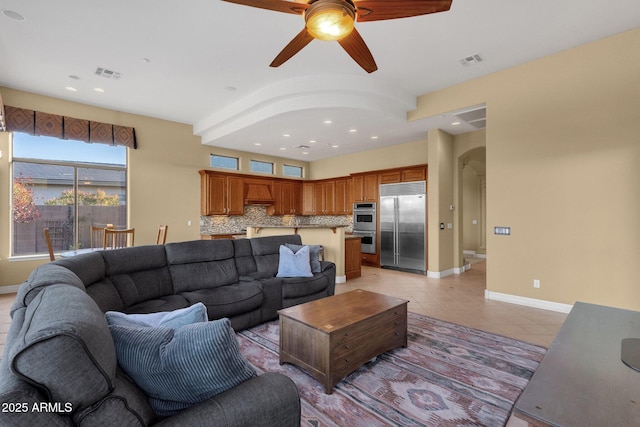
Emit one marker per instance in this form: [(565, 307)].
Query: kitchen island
[(332, 238)]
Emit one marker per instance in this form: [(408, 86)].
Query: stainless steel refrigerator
[(403, 209)]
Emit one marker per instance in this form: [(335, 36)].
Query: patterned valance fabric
[(45, 124)]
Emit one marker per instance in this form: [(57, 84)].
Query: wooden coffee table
[(334, 336)]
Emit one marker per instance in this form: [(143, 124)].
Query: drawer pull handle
[(347, 346), (347, 360), (347, 334)]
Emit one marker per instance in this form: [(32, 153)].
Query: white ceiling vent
[(472, 60), (303, 147), (109, 74)]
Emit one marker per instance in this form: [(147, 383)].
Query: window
[(289, 170), (224, 162), (67, 186), (263, 167)]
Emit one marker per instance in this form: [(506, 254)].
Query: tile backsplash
[(257, 216)]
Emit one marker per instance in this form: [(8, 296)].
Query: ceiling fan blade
[(301, 40), (378, 10), (277, 5), (356, 48)]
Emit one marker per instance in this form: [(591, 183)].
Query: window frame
[(284, 170), (76, 165), (261, 162), (220, 156)]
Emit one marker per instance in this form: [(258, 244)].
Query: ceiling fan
[(335, 19)]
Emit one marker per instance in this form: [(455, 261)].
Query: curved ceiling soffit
[(305, 93)]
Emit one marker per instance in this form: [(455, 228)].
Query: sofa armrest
[(270, 399), (326, 265)]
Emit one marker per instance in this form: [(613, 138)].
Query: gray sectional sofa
[(59, 367)]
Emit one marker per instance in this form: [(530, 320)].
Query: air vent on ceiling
[(303, 147), (109, 74), (472, 60)]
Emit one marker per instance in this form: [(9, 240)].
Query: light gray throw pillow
[(294, 264), (314, 255), (167, 319)]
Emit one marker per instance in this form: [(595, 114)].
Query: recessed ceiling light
[(146, 60), (353, 130), (71, 89), (455, 123), (12, 15), (257, 143), (286, 135), (327, 122), (282, 148), (335, 146), (305, 152), (98, 89), (312, 141), (374, 137)]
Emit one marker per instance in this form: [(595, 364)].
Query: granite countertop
[(351, 236), (300, 226)]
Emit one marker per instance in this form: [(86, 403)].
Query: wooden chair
[(162, 235), (97, 235), (47, 237), (114, 239)]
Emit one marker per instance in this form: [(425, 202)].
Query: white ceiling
[(206, 63)]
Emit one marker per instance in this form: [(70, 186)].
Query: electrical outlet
[(536, 283)]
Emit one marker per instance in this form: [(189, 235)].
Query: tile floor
[(458, 299)]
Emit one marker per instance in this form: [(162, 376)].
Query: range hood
[(257, 194)]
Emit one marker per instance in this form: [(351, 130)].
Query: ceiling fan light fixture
[(330, 19)]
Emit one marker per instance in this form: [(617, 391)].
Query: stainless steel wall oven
[(365, 223)]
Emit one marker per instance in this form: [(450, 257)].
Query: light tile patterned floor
[(458, 299)]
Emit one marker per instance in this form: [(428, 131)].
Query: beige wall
[(164, 184), (412, 153), (562, 172)]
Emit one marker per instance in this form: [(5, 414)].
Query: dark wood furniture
[(352, 262), (333, 336), (582, 380)]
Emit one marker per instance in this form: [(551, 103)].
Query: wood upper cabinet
[(365, 187), (287, 198), (221, 194), (343, 196), (410, 174), (308, 198)]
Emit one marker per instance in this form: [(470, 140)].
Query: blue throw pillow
[(314, 255), (168, 319), (294, 264), (178, 368)]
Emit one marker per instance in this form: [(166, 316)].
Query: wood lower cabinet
[(352, 261), (372, 260)]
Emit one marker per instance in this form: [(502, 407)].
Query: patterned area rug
[(449, 375)]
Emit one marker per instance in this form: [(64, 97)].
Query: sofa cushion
[(65, 347), (314, 255), (294, 264), (167, 319), (42, 277), (165, 303), (243, 255), (299, 287), (182, 367), (228, 301), (266, 251), (201, 264)]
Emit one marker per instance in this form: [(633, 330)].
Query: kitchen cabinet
[(221, 194), (352, 261), (365, 187), (287, 197), (343, 202), (403, 175), (308, 195)]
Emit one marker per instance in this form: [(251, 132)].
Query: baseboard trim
[(529, 302), (11, 289), (449, 272), (341, 279)]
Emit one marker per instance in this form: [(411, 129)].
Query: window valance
[(45, 124)]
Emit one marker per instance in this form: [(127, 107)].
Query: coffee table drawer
[(379, 332)]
